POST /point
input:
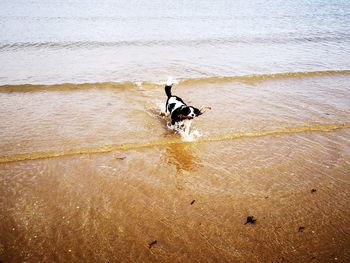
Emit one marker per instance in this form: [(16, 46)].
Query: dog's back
[(173, 102)]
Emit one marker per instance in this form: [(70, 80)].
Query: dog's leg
[(187, 126), (172, 125)]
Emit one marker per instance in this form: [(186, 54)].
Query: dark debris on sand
[(150, 245), (250, 220), (193, 202), (120, 158), (301, 229), (313, 190)]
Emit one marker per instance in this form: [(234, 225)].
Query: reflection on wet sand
[(182, 156)]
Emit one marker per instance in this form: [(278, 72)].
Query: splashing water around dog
[(189, 136), (192, 135)]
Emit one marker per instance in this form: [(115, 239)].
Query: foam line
[(186, 81), (166, 142)]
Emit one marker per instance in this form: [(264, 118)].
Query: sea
[(51, 42)]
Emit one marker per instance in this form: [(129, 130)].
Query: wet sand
[(92, 173)]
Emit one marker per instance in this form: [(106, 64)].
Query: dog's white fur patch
[(177, 103)]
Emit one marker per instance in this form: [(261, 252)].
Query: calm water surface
[(96, 41)]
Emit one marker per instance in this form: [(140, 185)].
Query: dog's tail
[(168, 86)]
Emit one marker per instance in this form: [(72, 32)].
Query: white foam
[(191, 136), (171, 81)]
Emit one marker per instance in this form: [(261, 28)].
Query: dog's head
[(189, 112)]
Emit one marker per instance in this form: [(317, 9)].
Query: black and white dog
[(180, 113)]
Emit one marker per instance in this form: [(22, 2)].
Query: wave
[(173, 42), (167, 142), (263, 77), (185, 81), (67, 86)]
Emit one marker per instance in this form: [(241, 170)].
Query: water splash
[(191, 136)]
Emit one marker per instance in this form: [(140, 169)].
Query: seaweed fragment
[(152, 243), (250, 220)]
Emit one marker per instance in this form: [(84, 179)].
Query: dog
[(180, 113)]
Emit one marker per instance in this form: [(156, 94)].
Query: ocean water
[(89, 171), (51, 42)]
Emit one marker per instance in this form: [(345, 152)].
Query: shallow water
[(90, 172), (115, 178)]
